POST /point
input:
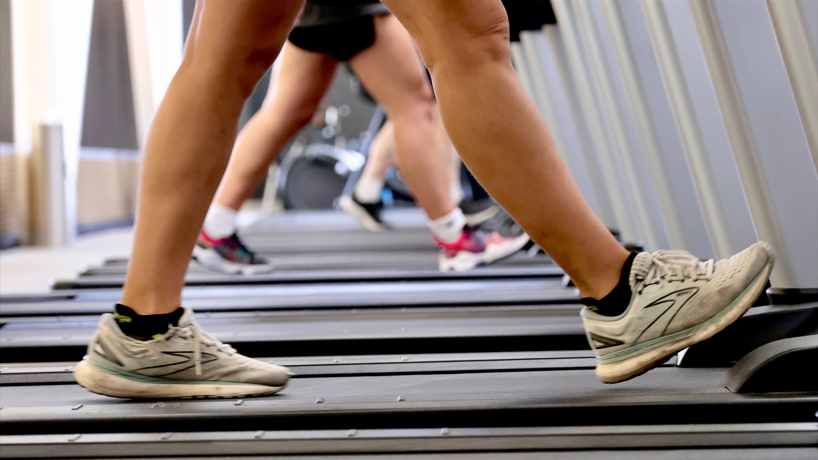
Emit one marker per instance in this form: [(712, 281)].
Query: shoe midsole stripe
[(102, 367)]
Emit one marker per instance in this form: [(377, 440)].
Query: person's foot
[(368, 214), (475, 247), (677, 300), (228, 255), (185, 362)]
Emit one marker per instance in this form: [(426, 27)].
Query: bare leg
[(391, 72), (448, 152), (502, 138), (188, 146), (381, 155), (302, 82)]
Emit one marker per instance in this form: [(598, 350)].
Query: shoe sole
[(360, 214), (212, 261), (102, 383), (635, 366), (466, 260)]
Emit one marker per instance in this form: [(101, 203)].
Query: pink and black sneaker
[(228, 255), (476, 247)]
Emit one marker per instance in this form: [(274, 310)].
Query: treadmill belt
[(357, 260), (102, 277)]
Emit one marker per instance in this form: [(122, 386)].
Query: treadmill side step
[(407, 441)]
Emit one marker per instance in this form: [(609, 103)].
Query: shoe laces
[(675, 265), (199, 337)]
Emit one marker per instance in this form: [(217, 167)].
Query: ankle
[(220, 221), (145, 327), (617, 299), (449, 228), (368, 189)]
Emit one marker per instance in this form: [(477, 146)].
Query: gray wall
[(109, 119)]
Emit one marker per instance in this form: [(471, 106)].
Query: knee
[(477, 41), (237, 73), (417, 104)]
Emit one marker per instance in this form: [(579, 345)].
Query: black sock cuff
[(145, 327), (615, 303)]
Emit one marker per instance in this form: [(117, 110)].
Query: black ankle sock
[(615, 303), (145, 327)]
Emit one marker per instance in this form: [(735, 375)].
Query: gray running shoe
[(678, 300), (185, 362)]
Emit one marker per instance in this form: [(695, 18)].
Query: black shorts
[(341, 40)]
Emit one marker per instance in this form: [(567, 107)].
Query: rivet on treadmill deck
[(166, 436), (69, 369), (77, 407), (319, 401), (258, 434), (404, 358), (401, 398), (351, 432), (238, 402), (336, 360), (444, 431), (74, 438)]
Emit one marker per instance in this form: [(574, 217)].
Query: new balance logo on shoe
[(673, 304), (179, 366)]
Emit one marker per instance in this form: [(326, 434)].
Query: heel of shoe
[(210, 260)]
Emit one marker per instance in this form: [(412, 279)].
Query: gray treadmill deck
[(422, 400), (335, 295), (198, 275), (730, 441)]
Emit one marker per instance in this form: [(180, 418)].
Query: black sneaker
[(368, 214)]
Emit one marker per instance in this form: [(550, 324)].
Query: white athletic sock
[(456, 191), (368, 189), (220, 221), (449, 227)]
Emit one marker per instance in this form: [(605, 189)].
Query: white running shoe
[(476, 247), (677, 300), (229, 255), (185, 362)]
